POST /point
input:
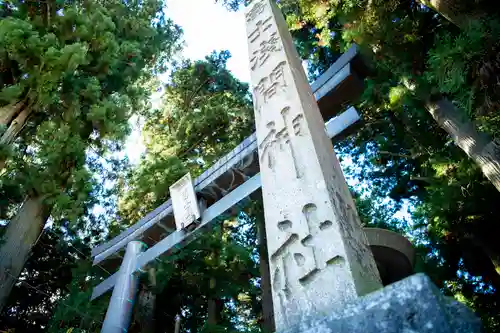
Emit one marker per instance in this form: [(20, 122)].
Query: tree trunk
[(478, 146), (21, 235), (265, 275), (214, 309), (146, 303), (13, 130), (8, 112), (15, 127), (212, 313), (214, 304), (145, 310), (458, 12)]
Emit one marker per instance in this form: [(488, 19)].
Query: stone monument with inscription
[(318, 252), (320, 263)]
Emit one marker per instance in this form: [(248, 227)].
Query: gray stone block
[(412, 305)]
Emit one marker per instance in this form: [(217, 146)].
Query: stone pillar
[(319, 257)]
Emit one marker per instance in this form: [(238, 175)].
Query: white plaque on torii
[(184, 202)]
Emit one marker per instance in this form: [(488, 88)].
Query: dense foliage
[(79, 68), (72, 73), (205, 113)]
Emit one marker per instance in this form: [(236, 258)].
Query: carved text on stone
[(269, 85), (261, 28), (299, 259), (282, 139), (347, 221), (264, 50), (256, 10)]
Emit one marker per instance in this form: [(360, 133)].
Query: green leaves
[(19, 40), (461, 64), (72, 56), (400, 153), (11, 93), (83, 68), (205, 113), (396, 96)]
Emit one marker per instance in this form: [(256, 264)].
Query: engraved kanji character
[(300, 255), (277, 80), (262, 26), (260, 89), (281, 137), (268, 86), (284, 137), (277, 75), (348, 222), (302, 244), (264, 50), (256, 10), (268, 144), (297, 124), (291, 260)]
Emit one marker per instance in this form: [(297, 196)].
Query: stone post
[(319, 256)]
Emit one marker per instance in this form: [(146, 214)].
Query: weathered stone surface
[(318, 252), (412, 305)]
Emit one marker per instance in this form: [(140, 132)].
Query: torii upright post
[(122, 301), (318, 253)]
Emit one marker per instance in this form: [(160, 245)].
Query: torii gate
[(324, 276), (223, 186)]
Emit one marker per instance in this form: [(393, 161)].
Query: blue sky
[(208, 26)]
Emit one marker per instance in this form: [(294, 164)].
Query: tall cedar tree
[(77, 69), (205, 113)]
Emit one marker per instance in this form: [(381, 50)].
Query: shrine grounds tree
[(55, 290), (416, 54), (219, 271), (191, 280), (420, 59), (460, 13), (49, 271), (205, 113), (73, 72)]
